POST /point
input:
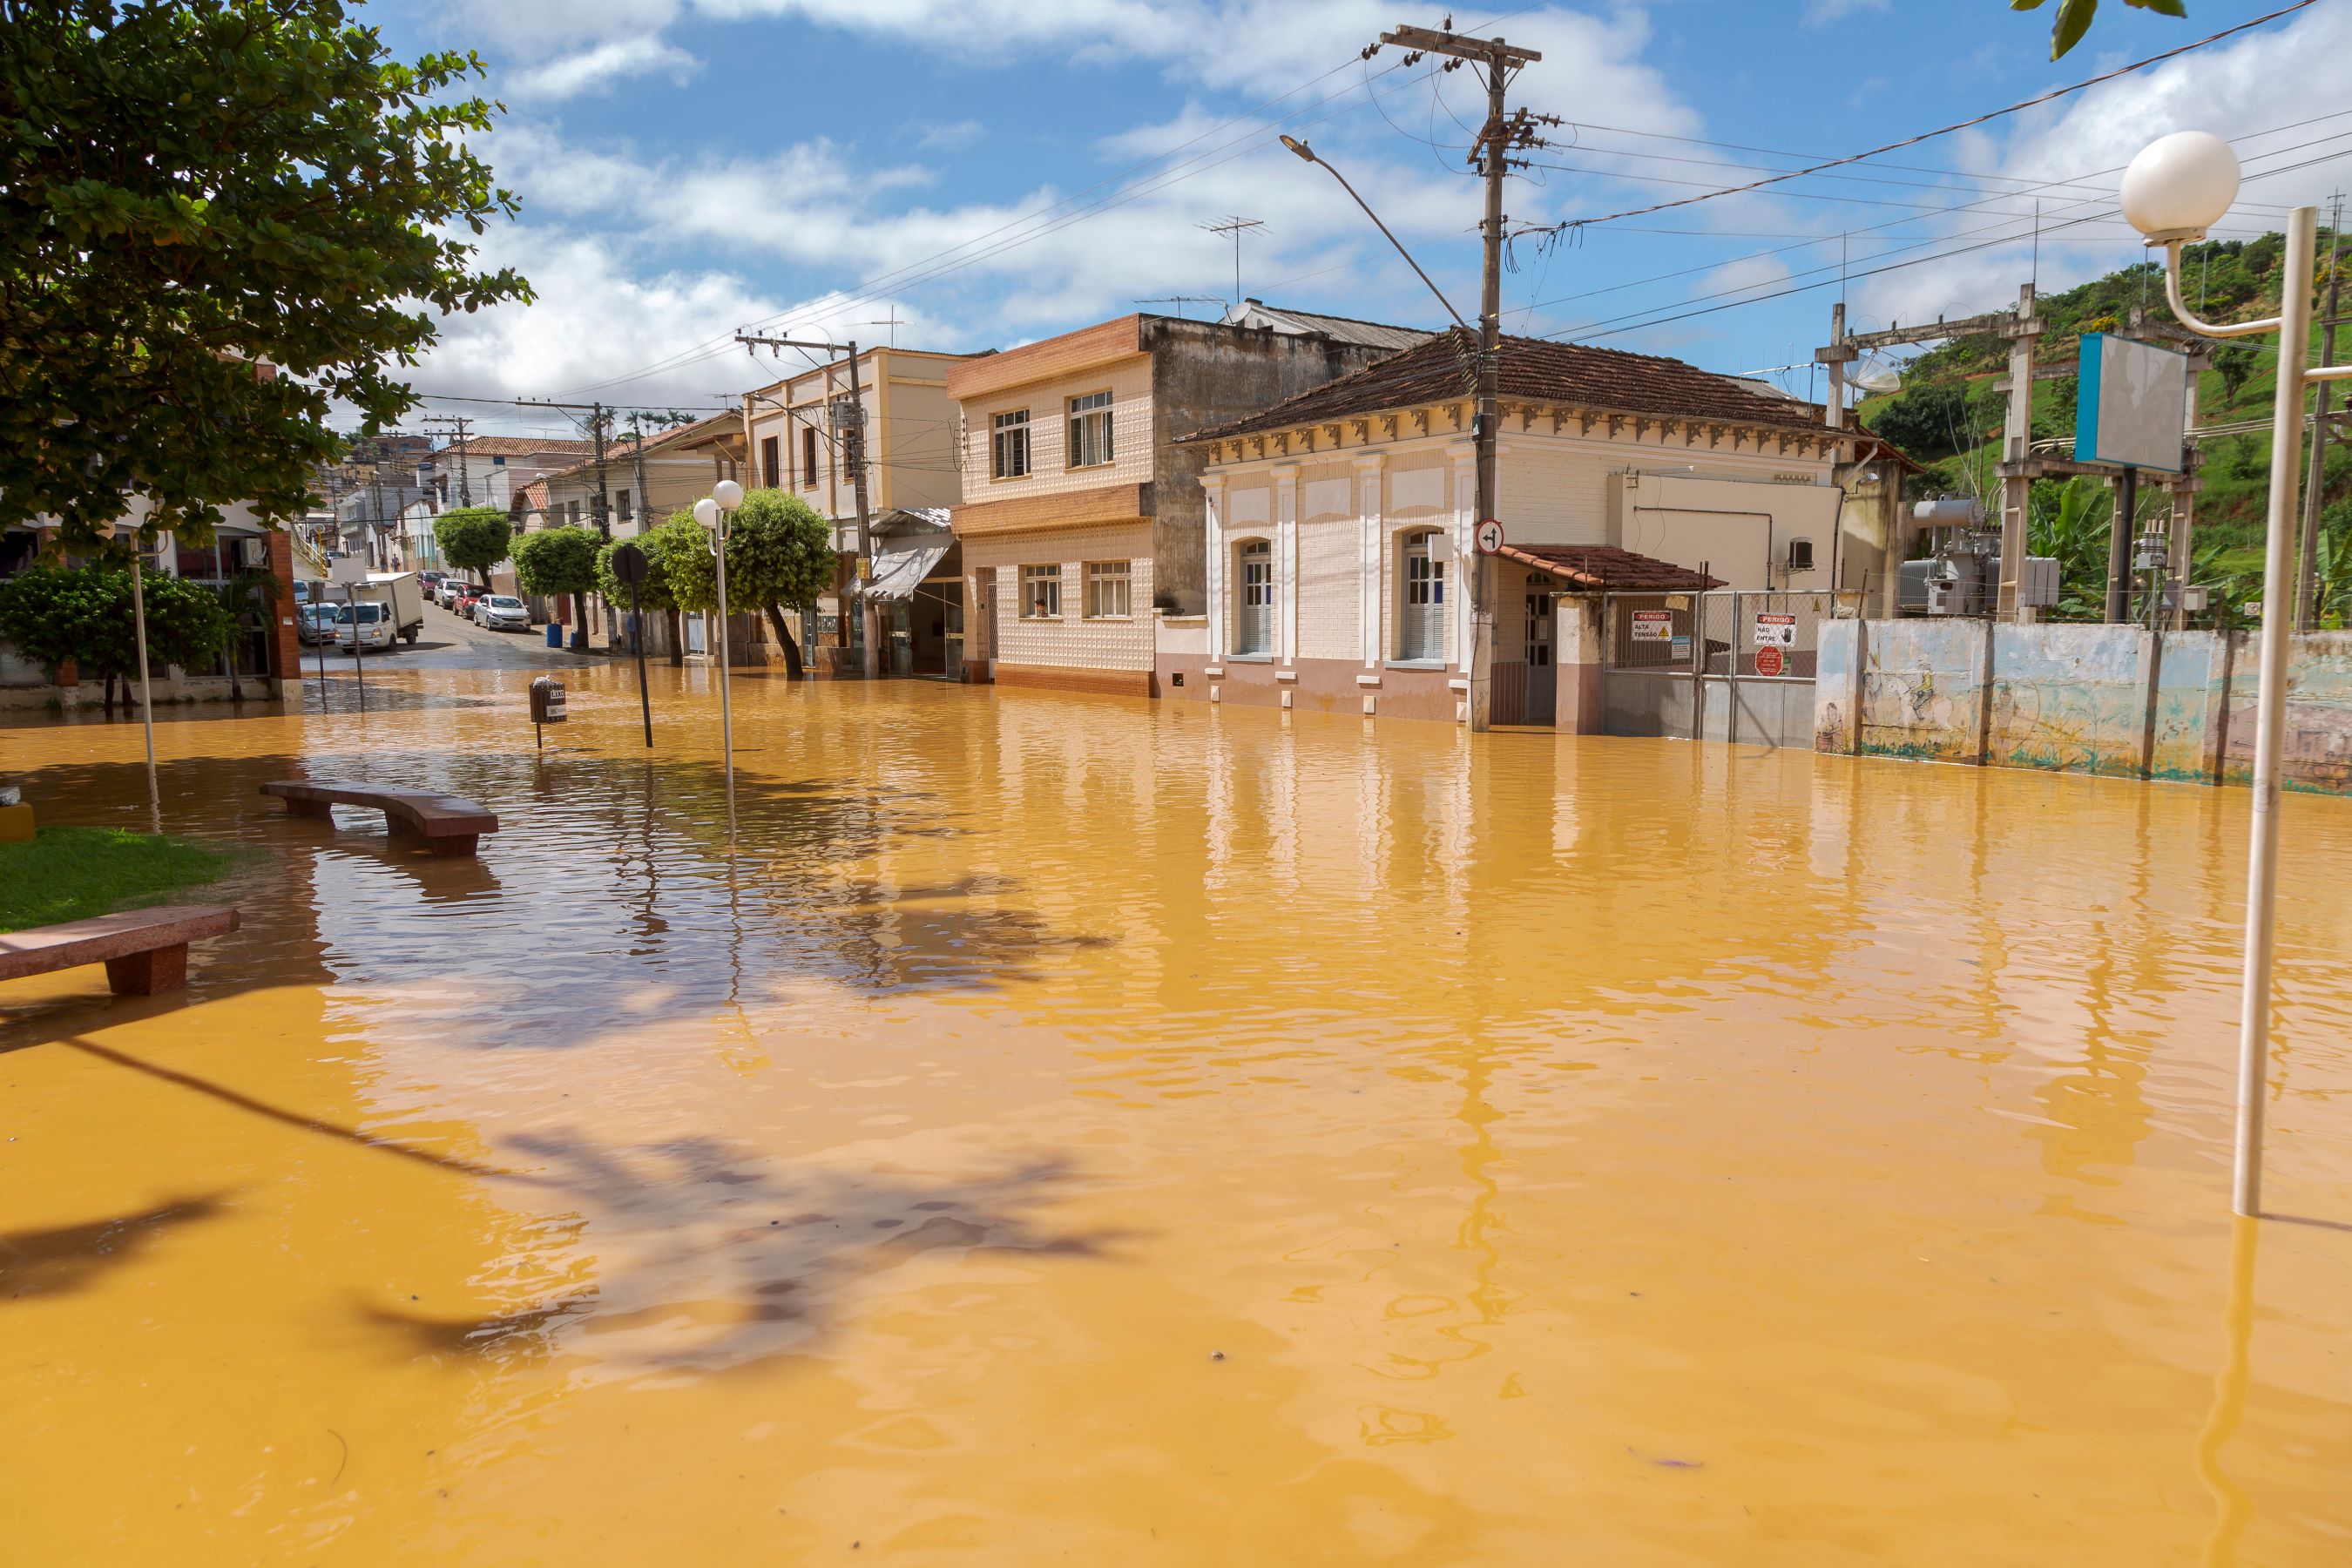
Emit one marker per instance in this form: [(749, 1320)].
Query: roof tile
[(1533, 370)]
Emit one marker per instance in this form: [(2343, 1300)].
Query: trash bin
[(554, 634)]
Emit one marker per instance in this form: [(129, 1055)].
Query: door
[(1543, 704), (698, 636), (1422, 633), (1255, 632)]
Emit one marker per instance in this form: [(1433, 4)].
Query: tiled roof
[(518, 446), (1534, 369), (1606, 566)]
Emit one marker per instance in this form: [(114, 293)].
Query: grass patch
[(73, 873)]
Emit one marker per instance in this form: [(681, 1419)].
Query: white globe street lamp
[(711, 511), (2175, 191)]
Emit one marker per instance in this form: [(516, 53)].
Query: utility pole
[(1235, 226), (2306, 584), (1491, 155), (460, 426), (638, 445), (851, 422), (599, 420)]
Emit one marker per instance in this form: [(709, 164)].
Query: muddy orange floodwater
[(1078, 1129)]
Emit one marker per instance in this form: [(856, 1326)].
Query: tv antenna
[(1235, 226), (1181, 300)]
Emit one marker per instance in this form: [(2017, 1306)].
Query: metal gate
[(1731, 665)]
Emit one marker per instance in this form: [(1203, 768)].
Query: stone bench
[(445, 824), (144, 950)]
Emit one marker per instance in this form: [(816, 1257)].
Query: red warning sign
[(1768, 662)]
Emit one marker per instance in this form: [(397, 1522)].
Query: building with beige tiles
[(1080, 512), (1338, 527)]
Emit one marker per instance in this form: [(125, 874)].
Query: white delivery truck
[(404, 598)]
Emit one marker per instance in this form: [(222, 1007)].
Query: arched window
[(1253, 627), (1420, 631)]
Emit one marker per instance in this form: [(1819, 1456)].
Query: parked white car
[(501, 613), (374, 627)]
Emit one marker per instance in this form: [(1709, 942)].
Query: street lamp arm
[(1401, 251), (2205, 329), (2231, 329)]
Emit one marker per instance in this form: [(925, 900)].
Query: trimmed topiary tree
[(559, 561), (779, 557), (653, 593), (473, 538), (54, 613)]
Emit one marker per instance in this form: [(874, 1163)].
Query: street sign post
[(350, 570), (630, 565), (1489, 537)]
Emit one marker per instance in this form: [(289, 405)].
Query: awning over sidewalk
[(897, 572), (1605, 568)]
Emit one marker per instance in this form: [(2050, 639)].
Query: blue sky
[(990, 171)]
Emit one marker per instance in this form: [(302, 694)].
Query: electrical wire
[(1988, 115), (872, 288), (1582, 334)]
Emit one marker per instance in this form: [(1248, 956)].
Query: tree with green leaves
[(473, 538), (2073, 17), (779, 557), (560, 560), (192, 193), (2235, 364), (653, 595), (85, 615)]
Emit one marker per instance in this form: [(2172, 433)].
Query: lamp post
[(712, 512), (2176, 188)]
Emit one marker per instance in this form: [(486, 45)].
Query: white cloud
[(599, 67), (949, 137), (2244, 90), (1820, 12)]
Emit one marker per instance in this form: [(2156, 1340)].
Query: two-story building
[(1338, 526), (1081, 511), (799, 442)]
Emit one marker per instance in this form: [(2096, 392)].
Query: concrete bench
[(445, 824), (144, 950)]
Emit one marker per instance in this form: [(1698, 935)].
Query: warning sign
[(1654, 625), (1767, 660), (1776, 631)]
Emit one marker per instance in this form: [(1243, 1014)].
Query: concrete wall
[(2104, 699), (1205, 374)]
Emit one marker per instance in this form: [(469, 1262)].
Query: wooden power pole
[(1497, 137)]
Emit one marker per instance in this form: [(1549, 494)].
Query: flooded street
[(1085, 1128)]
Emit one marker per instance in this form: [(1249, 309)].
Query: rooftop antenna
[(891, 322), (1235, 226), (1181, 300)]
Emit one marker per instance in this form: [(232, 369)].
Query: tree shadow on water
[(51, 1262), (696, 1255)]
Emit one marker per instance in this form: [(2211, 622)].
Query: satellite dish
[(1876, 377)]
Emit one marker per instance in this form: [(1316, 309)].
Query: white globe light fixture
[(711, 511), (2174, 192), (2180, 185)]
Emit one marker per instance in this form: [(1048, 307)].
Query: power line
[(1895, 267), (1200, 163), (2053, 94)]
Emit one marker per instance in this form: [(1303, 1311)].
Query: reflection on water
[(1279, 1139)]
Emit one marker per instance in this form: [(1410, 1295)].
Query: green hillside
[(1948, 415)]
